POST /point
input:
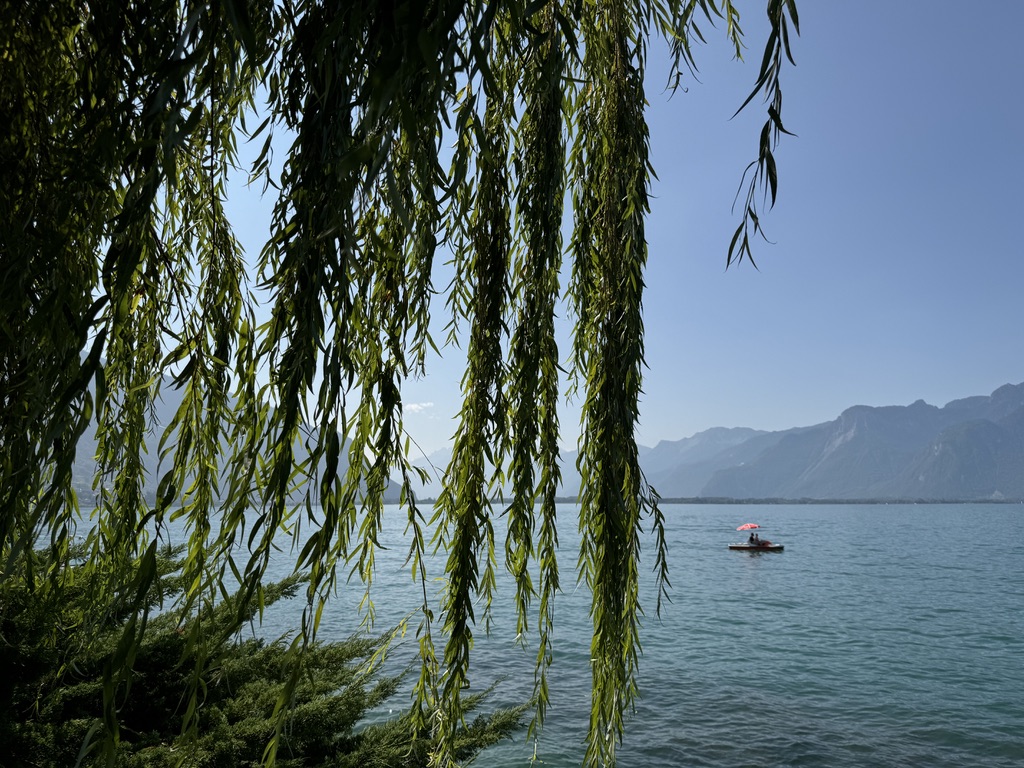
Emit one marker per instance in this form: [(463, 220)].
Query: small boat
[(764, 546), (755, 543)]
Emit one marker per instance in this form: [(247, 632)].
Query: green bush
[(52, 677)]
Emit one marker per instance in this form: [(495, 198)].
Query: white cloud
[(417, 407)]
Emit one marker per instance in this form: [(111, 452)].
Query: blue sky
[(896, 272), (896, 266)]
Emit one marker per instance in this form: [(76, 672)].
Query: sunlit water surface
[(884, 635)]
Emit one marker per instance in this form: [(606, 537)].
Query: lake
[(884, 635)]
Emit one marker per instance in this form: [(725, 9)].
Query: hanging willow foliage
[(416, 127)]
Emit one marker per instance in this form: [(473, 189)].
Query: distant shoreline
[(838, 501), (707, 500), (699, 500)]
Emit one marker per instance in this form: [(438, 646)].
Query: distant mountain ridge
[(971, 449), (163, 410), (968, 450)]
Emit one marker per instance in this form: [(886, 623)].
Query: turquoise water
[(882, 636)]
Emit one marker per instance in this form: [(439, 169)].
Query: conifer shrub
[(53, 655)]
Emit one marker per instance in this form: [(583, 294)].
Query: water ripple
[(882, 636)]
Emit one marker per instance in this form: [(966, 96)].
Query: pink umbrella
[(748, 527)]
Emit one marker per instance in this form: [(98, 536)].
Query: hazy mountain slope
[(971, 460), (1001, 404), (163, 412), (972, 448), (698, 448), (884, 452), (688, 476)]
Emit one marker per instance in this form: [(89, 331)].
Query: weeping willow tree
[(419, 130)]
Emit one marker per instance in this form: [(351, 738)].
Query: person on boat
[(751, 539), (755, 539)]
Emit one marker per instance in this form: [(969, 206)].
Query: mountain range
[(968, 450)]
